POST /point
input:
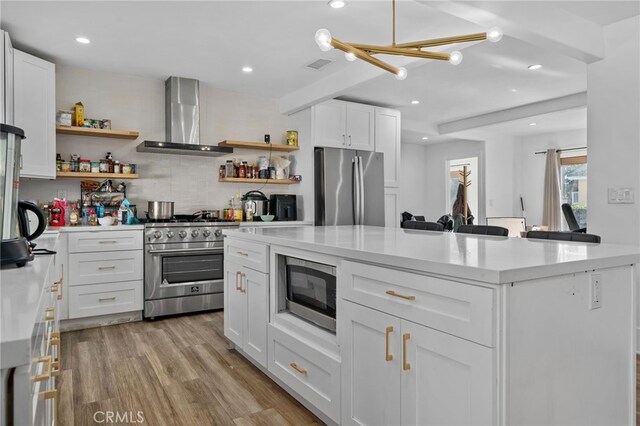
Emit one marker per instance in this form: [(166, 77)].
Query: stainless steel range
[(183, 267)]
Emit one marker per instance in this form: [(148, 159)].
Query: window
[(573, 172)]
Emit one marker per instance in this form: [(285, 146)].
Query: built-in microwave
[(308, 290)]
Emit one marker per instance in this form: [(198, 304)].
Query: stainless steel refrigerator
[(349, 187)]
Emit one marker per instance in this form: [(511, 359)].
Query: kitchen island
[(441, 328)]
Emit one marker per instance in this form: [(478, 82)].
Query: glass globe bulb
[(494, 35), (323, 39), (455, 58), (350, 56), (402, 73)]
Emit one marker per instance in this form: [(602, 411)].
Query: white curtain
[(551, 208)]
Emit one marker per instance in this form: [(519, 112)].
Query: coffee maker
[(16, 248)]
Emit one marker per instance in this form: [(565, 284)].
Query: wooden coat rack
[(464, 179)]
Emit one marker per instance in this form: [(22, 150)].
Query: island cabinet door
[(445, 380), (370, 342), (255, 289), (235, 305)]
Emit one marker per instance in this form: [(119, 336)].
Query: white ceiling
[(213, 40)]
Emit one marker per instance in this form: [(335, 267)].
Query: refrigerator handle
[(355, 189), (361, 177)]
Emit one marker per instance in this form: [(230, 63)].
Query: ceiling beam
[(538, 23), (576, 100)]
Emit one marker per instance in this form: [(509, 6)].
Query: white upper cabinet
[(387, 141), (360, 126), (35, 113), (340, 124), (330, 124)]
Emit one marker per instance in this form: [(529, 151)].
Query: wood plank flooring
[(177, 371)]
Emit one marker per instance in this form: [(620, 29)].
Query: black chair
[(564, 236), (423, 226), (567, 211), (483, 230)]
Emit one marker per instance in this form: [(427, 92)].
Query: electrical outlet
[(62, 193), (621, 195), (595, 291)]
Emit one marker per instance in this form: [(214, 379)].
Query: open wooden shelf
[(269, 181), (101, 133), (259, 145), (97, 175)]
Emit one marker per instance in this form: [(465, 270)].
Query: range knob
[(170, 234), (157, 234), (206, 233), (182, 234), (218, 233), (194, 233)]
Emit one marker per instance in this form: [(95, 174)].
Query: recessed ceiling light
[(533, 124), (247, 69), (337, 4), (425, 138), (535, 67), (83, 40), (514, 90), (416, 102)]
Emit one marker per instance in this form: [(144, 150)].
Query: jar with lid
[(222, 172), (104, 166), (229, 168), (84, 165), (95, 167), (116, 166), (250, 171), (242, 170)]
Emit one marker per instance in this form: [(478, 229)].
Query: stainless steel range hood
[(182, 122)]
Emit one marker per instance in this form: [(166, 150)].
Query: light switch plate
[(621, 195)]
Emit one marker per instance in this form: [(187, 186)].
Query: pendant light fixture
[(365, 52)]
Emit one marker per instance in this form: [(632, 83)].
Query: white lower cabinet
[(397, 372), (102, 299), (246, 311)]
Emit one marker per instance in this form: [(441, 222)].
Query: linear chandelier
[(365, 52)]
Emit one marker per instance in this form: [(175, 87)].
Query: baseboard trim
[(99, 321)]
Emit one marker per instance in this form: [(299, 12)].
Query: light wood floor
[(178, 371)]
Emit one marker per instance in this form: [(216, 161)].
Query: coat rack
[(464, 177)]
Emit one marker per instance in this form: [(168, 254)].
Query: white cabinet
[(246, 312), (387, 141), (397, 372), (35, 113), (340, 124), (391, 208)]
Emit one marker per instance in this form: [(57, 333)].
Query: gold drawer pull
[(405, 365), (104, 299), (50, 313), (242, 275), (54, 287), (238, 278), (241, 253), (298, 369), (401, 296), (50, 394), (47, 374), (107, 242), (55, 365), (388, 331), (61, 281), (104, 268)]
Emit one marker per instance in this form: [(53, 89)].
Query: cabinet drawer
[(309, 372), (252, 255), (93, 268), (463, 310), (103, 299), (83, 242)]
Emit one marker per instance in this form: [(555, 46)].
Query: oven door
[(176, 270)]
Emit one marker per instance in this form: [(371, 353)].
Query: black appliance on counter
[(284, 207), (19, 249)]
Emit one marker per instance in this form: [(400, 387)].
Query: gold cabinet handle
[(104, 268), (388, 331), (405, 365), (54, 287), (54, 340), (241, 253), (401, 296), (104, 299), (60, 284), (298, 369), (61, 281), (50, 394), (238, 286), (50, 313), (242, 276), (47, 374)]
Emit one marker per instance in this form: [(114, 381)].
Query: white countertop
[(20, 292), (276, 224), (95, 228), (481, 258)]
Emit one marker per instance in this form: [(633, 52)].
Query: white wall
[(500, 177), (413, 183), (613, 117), (529, 174), (137, 103), (437, 175)]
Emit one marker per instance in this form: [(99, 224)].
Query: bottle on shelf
[(110, 162)]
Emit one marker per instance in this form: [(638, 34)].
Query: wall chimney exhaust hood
[(182, 122)]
